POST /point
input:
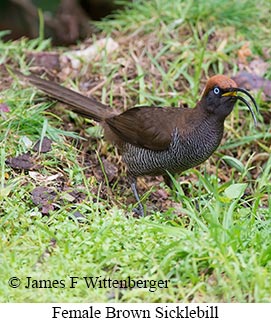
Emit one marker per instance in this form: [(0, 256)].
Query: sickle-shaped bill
[(249, 107), (233, 92), (249, 95)]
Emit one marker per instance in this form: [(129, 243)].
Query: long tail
[(79, 103)]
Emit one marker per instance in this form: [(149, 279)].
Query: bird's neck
[(199, 118), (212, 118)]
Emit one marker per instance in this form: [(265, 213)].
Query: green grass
[(210, 238)]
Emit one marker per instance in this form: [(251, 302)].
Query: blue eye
[(216, 90)]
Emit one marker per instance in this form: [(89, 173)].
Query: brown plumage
[(154, 140)]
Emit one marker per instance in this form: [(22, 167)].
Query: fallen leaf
[(243, 53), (44, 146), (79, 216), (38, 177), (161, 194), (46, 208), (258, 66), (110, 170), (75, 195), (45, 60), (24, 161), (26, 141), (68, 197), (95, 51), (44, 197), (222, 45), (251, 81)]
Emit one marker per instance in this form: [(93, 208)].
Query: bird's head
[(220, 95)]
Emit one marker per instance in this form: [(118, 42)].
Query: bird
[(158, 140)]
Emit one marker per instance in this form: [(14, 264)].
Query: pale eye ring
[(216, 90)]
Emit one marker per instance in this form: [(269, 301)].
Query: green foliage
[(169, 14)]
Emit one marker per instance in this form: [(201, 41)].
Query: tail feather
[(85, 106)]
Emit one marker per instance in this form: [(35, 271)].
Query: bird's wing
[(146, 127)]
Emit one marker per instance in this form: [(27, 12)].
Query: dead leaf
[(38, 177), (74, 195), (26, 141), (44, 197), (161, 194), (24, 161), (68, 197), (251, 81), (222, 45), (95, 51), (44, 146), (258, 66), (110, 170), (243, 53), (45, 60), (79, 216)]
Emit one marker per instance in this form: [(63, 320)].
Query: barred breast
[(182, 154)]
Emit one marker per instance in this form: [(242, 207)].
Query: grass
[(210, 237)]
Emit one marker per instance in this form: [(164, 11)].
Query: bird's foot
[(139, 210)]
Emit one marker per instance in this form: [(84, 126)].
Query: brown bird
[(155, 140)]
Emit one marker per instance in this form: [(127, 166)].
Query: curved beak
[(233, 92)]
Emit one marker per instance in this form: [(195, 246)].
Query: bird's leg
[(168, 181), (139, 210)]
